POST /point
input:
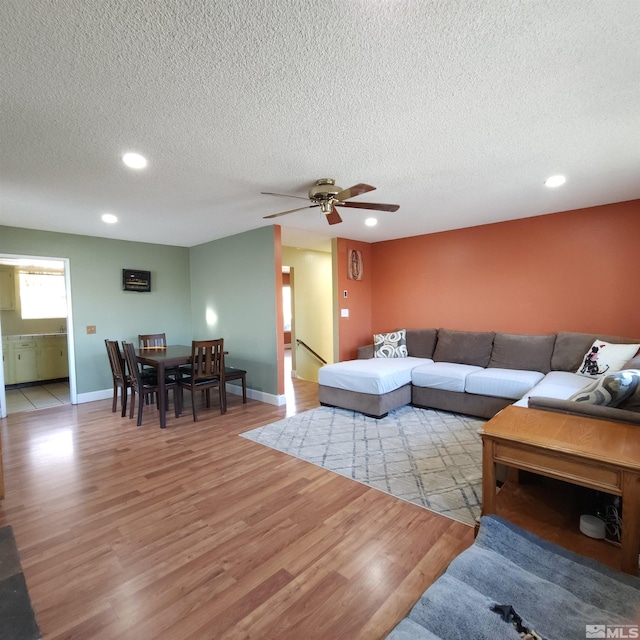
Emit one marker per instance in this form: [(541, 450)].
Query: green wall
[(233, 297), (97, 298)]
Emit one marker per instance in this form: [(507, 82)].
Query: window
[(42, 293)]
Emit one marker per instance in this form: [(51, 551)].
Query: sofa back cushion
[(526, 352), (365, 352), (421, 342), (570, 348), (464, 347)]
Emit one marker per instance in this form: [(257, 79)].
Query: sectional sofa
[(477, 373)]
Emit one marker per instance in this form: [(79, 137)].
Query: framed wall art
[(354, 265), (135, 280)]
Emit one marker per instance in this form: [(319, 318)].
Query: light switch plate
[(344, 313), (91, 328)]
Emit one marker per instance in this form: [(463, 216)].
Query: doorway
[(311, 286), (288, 324), (36, 331)]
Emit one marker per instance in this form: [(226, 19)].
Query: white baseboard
[(261, 396), (92, 396)]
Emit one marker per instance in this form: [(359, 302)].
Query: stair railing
[(311, 351)]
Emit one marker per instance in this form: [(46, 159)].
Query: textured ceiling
[(456, 110)]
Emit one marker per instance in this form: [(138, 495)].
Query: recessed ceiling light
[(555, 181), (371, 222), (134, 160), (109, 218)]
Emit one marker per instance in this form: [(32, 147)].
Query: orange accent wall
[(570, 271), (277, 259), (355, 330)]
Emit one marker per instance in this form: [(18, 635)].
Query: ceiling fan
[(326, 195)]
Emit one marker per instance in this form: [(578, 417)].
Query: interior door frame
[(73, 396)]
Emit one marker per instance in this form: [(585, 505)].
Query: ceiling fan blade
[(333, 217), (284, 195), (369, 205), (284, 213), (354, 191)]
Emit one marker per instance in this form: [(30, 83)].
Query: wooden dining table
[(163, 358)]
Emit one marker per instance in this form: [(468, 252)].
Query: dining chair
[(231, 373), (150, 340), (207, 372), (146, 386), (146, 340), (120, 378)]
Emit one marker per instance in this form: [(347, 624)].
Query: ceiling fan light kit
[(325, 194)]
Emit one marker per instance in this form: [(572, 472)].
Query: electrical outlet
[(91, 328)]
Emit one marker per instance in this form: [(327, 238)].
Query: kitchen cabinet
[(34, 359), (7, 288), (52, 358), (7, 356), (24, 359)]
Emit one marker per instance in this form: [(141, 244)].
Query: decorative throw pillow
[(632, 403), (610, 390), (390, 345), (605, 357)]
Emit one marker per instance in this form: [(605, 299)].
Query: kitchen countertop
[(28, 336)]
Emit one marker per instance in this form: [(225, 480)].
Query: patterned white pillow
[(604, 357), (390, 345), (610, 390)]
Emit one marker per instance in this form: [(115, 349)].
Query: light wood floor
[(194, 532)]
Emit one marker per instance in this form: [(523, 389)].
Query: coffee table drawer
[(587, 473)]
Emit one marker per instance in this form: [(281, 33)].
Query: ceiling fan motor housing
[(324, 190)]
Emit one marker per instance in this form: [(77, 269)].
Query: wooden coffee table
[(593, 453)]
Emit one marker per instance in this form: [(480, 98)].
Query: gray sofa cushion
[(421, 342), (570, 348), (502, 383), (464, 347), (634, 363), (527, 352), (617, 414), (450, 376)]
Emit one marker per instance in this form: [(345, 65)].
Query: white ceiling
[(456, 110)]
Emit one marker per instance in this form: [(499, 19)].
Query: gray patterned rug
[(428, 457)]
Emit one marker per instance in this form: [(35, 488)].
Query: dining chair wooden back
[(145, 386), (146, 340), (207, 372), (118, 372)]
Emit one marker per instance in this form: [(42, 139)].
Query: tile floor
[(37, 397)]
